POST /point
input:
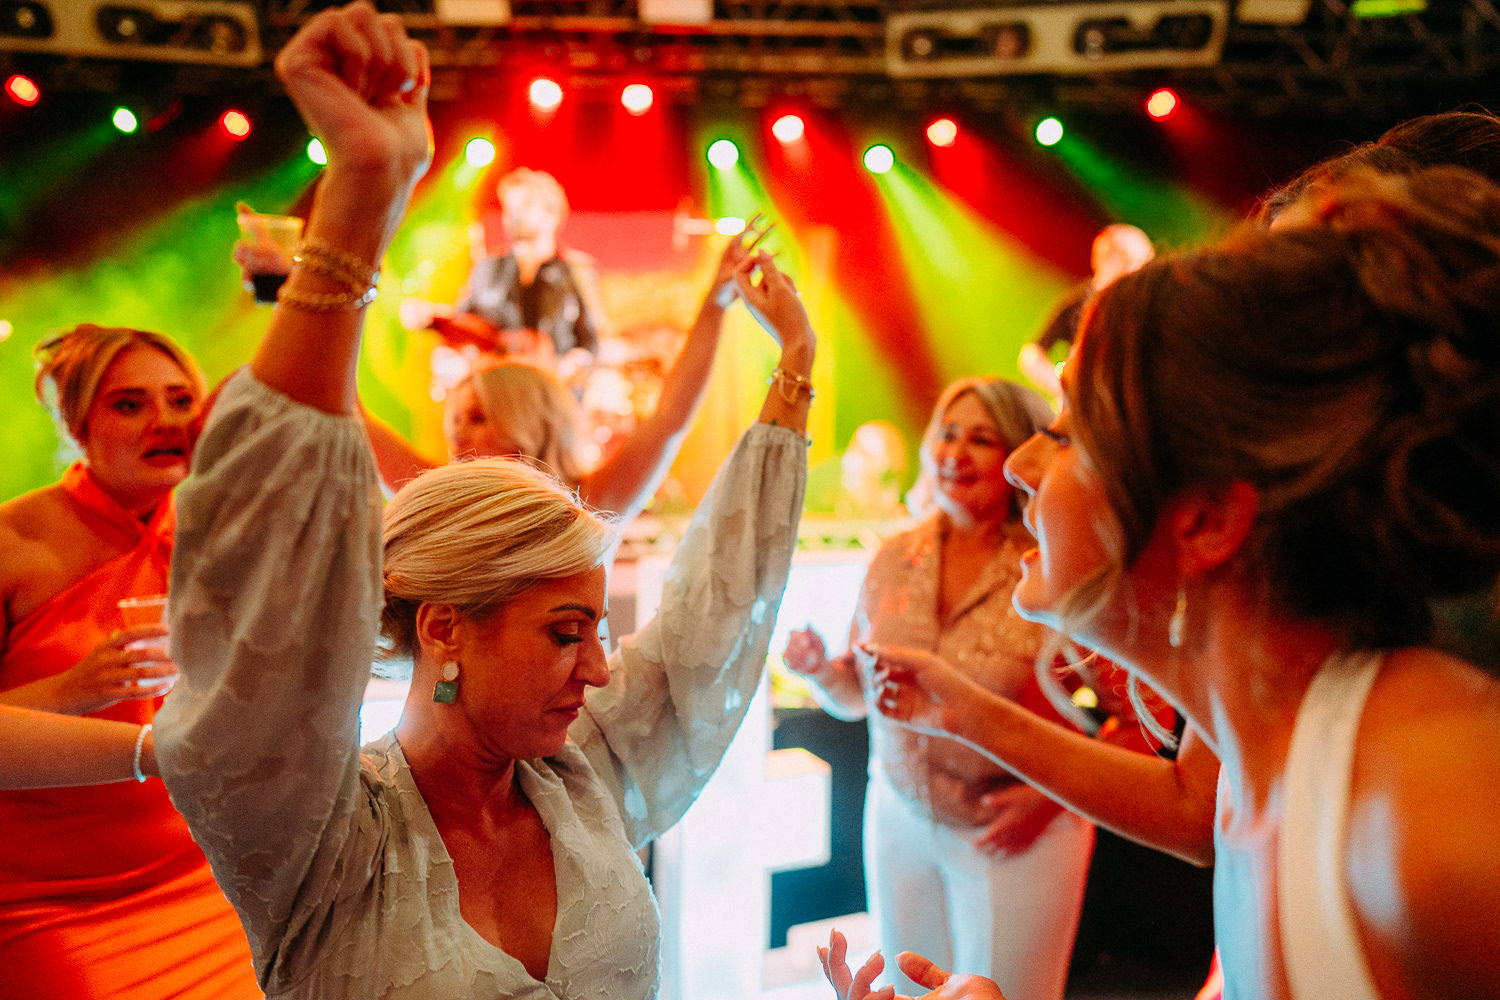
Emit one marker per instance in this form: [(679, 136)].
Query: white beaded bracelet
[(140, 742)]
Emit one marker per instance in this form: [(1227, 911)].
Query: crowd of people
[(1271, 472)]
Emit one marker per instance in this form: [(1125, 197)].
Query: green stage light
[(125, 120), (1049, 131), (723, 154)]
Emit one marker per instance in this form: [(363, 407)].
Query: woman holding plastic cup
[(110, 889)]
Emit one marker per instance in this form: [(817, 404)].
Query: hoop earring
[(1178, 622), (445, 692)]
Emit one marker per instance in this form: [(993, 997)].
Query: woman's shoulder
[(1422, 839), (34, 524)]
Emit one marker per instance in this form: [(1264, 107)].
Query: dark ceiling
[(834, 53)]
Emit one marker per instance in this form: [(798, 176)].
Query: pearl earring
[(1178, 622)]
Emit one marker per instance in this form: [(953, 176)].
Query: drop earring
[(1178, 622), (445, 692)]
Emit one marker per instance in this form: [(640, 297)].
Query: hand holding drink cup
[(143, 647), (265, 250)]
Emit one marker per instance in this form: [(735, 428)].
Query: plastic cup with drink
[(265, 249)]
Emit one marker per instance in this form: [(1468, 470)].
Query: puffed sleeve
[(275, 597), (681, 685)]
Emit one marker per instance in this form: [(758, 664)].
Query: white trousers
[(932, 892)]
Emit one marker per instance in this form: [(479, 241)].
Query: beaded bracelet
[(140, 743), (325, 258), (788, 384), (323, 302)]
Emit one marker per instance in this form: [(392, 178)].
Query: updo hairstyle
[(537, 412), (1018, 413), (1349, 371), (71, 365), (475, 535)]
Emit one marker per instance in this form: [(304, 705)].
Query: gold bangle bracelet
[(788, 384)]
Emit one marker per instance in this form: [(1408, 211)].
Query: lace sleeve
[(680, 686), (275, 600)]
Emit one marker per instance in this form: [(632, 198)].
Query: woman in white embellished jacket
[(486, 847)]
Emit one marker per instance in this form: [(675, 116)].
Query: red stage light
[(637, 98), (788, 128), (235, 124), (22, 90), (545, 94), (1162, 104), (942, 132)]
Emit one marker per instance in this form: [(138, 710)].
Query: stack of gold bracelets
[(788, 384), (358, 278)]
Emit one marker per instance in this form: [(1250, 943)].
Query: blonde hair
[(1349, 371), (475, 535), (71, 365), (541, 184), (1018, 413), (537, 412)]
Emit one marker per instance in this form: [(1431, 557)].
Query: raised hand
[(773, 300), (114, 671), (724, 291), (805, 652), (361, 85), (945, 985), (847, 985)]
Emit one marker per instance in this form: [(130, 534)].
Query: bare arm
[(43, 750), (366, 98), (1164, 804), (395, 457), (626, 483)]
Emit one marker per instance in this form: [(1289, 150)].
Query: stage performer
[(486, 847), (515, 408), (536, 284), (103, 892)]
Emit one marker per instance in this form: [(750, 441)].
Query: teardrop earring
[(1178, 622), (445, 692)]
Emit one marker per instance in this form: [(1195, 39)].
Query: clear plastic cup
[(267, 243)]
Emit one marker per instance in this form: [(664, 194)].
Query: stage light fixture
[(1054, 36), (223, 32), (943, 132), (316, 153), (479, 152), (879, 159), (236, 124), (788, 128), (23, 90), (545, 94), (125, 120), (1049, 131), (729, 225), (637, 98), (25, 19), (723, 154), (1162, 104)]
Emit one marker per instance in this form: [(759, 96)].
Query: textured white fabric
[(1319, 941), (330, 856)]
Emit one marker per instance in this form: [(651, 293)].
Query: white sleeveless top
[(1319, 941)]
